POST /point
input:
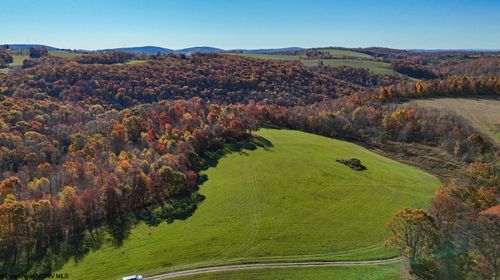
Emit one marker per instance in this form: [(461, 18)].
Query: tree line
[(70, 170), (5, 57)]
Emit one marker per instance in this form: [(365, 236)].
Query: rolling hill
[(339, 58), (142, 50), (483, 114), (199, 50), (256, 51), (25, 47), (288, 201), (156, 49)]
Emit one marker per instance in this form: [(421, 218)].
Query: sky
[(250, 24)]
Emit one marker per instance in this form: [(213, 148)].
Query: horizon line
[(261, 48)]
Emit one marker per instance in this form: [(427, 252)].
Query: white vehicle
[(132, 277)]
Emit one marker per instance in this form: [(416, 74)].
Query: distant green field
[(268, 56), (64, 54), (368, 272), (348, 53), (289, 202), (483, 114), (138, 61), (19, 58), (340, 60), (333, 52), (374, 66)]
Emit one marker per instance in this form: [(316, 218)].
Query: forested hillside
[(218, 78)]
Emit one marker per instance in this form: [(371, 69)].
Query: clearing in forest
[(288, 201), (483, 114)]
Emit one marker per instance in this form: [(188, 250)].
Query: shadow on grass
[(57, 257), (183, 207), (211, 157), (176, 208)]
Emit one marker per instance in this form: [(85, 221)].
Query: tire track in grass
[(268, 266)]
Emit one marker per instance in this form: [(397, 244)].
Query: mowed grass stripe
[(291, 202)]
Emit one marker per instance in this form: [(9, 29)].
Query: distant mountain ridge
[(202, 49), (206, 49), (25, 47), (141, 50), (155, 49)]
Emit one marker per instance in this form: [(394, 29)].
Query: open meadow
[(484, 114), (377, 67), (288, 201), (339, 58)]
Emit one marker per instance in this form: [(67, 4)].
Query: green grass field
[(340, 60), (368, 272), (138, 61), (268, 56), (347, 53), (374, 66), (484, 114), (290, 202), (335, 53), (64, 54), (18, 60), (20, 57)]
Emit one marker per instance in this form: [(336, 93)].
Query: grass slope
[(484, 114), (335, 53), (18, 60), (64, 54), (373, 66), (290, 202), (346, 53), (20, 57), (368, 272)]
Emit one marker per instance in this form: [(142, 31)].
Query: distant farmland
[(484, 114), (64, 54), (346, 53), (374, 66), (19, 57), (339, 58)]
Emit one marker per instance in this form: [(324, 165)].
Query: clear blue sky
[(93, 24)]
